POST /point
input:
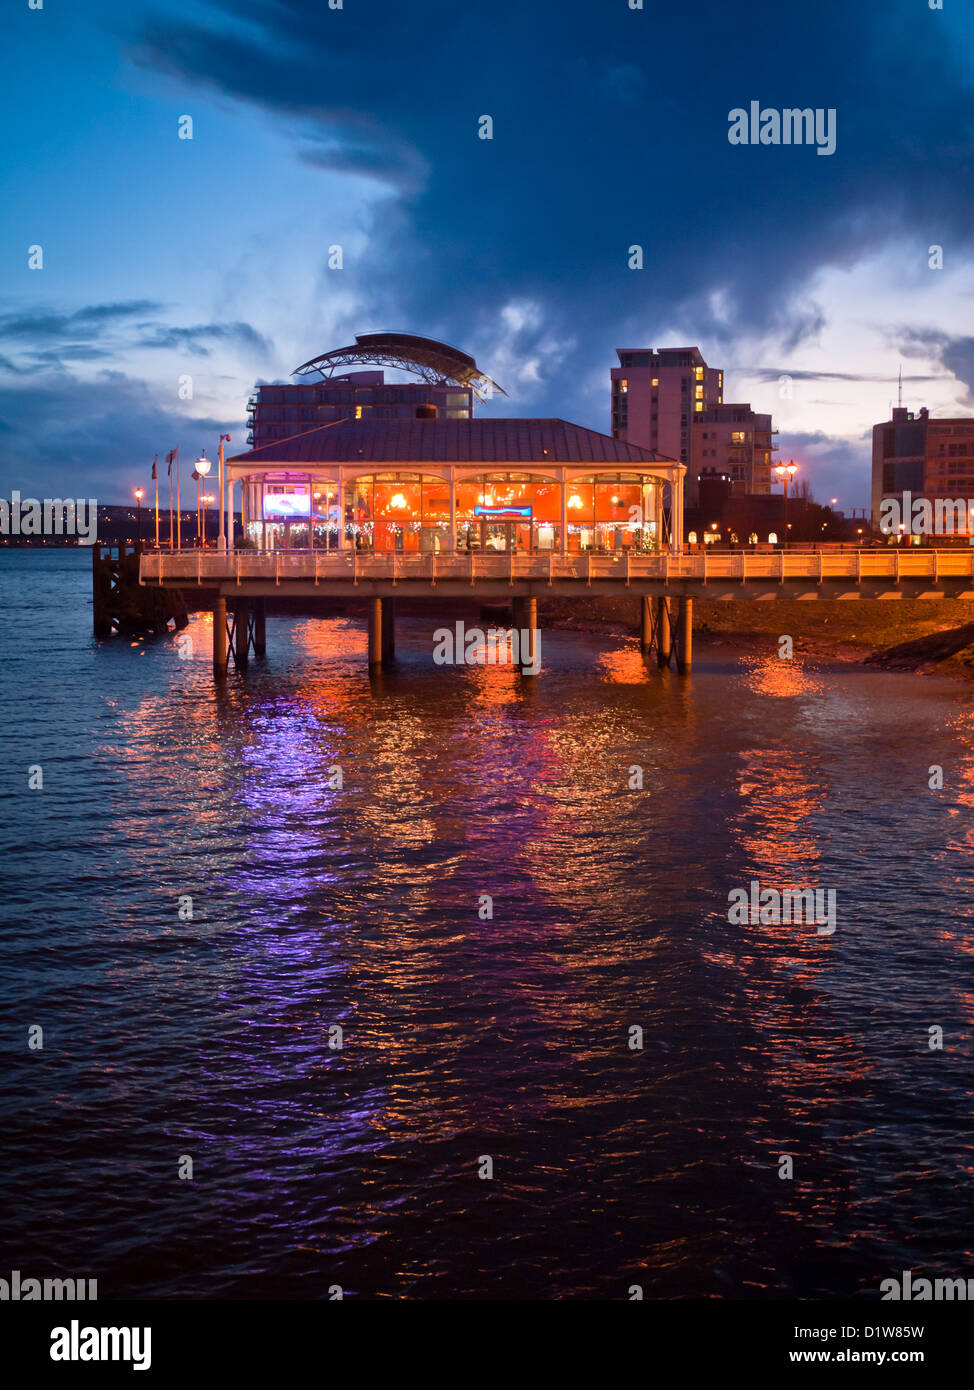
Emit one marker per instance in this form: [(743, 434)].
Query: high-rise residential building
[(656, 395), (927, 457), (735, 441), (277, 412), (670, 399)]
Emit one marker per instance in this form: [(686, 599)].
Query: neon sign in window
[(503, 513)]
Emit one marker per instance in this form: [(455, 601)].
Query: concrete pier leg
[(528, 625), (646, 625), (375, 633), (220, 637), (663, 631), (388, 631), (684, 635), (242, 612), (260, 628)]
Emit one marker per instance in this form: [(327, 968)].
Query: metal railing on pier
[(209, 567)]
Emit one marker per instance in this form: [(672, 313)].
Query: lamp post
[(203, 467), (138, 512), (222, 537), (785, 472)]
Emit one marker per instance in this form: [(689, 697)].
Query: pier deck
[(857, 574)]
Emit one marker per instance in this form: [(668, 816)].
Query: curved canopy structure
[(436, 363)]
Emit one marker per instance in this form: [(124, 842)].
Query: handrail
[(201, 567)]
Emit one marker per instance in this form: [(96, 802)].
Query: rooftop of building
[(525, 440), (689, 356)]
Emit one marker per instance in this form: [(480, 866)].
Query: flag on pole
[(169, 458), (155, 475)]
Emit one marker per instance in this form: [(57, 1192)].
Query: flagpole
[(155, 475), (179, 519), (171, 530), (221, 540)]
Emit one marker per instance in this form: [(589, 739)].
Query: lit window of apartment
[(699, 393), (737, 436), (698, 373), (623, 386), (699, 405), (655, 381)]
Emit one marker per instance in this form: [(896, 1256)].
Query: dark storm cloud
[(117, 326), (955, 353), (776, 373), (92, 319), (69, 352), (610, 129), (200, 340)]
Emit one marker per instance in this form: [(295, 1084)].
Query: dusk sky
[(208, 257)]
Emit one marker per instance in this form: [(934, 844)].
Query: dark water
[(466, 1037)]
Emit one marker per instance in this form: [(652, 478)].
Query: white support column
[(342, 539), (311, 513), (563, 472), (452, 547), (229, 524), (676, 513)]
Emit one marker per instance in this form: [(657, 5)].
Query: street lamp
[(201, 467), (139, 494), (785, 472), (222, 539)]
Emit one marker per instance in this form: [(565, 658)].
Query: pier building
[(485, 486)]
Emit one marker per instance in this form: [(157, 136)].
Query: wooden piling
[(388, 631), (101, 588), (646, 625), (241, 630), (528, 626), (684, 635), (220, 637), (375, 633), (663, 639)]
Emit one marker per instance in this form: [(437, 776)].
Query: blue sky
[(166, 258)]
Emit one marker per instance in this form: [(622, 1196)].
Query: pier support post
[(663, 631), (220, 637), (684, 635), (241, 645), (375, 633), (646, 625), (526, 618), (388, 631), (101, 587), (260, 628)]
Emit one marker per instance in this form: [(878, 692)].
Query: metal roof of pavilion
[(450, 441), (434, 361)]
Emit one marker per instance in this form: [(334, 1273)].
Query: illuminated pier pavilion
[(482, 486)]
